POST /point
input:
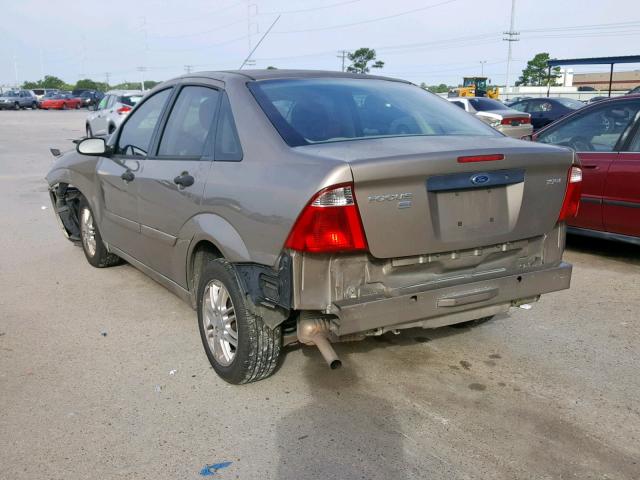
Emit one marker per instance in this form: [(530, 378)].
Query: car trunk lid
[(415, 196)]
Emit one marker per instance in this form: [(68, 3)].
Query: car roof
[(269, 74), (124, 92)]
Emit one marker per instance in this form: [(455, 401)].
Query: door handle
[(128, 176), (184, 180), (590, 167)]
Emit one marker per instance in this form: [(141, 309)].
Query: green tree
[(537, 72), (442, 88), (360, 60), (92, 85), (49, 81)]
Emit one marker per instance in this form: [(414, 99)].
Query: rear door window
[(189, 123), (227, 145), (137, 132)]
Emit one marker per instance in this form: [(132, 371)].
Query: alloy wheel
[(219, 322), (88, 231)]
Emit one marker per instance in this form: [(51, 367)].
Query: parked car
[(634, 90), (17, 99), (504, 119), (312, 207), (586, 88), (546, 110), (40, 93), (596, 99), (111, 111), (60, 101), (91, 97), (606, 137)]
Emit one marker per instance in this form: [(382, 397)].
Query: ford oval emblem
[(480, 179)]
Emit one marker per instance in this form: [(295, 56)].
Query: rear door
[(596, 135), (172, 181), (117, 176), (99, 122), (621, 202)]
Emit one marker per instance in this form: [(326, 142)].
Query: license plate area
[(480, 205)]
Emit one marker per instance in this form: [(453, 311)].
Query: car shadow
[(344, 431), (619, 251)]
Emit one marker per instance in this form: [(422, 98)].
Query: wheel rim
[(88, 231), (219, 322)]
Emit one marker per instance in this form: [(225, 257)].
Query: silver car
[(504, 119), (111, 111), (17, 99), (318, 207)]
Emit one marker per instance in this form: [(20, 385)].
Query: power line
[(313, 9), (363, 22)]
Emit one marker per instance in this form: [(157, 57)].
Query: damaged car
[(318, 207)]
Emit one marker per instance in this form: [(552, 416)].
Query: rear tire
[(92, 245), (225, 318), (16, 106), (34, 106), (89, 131)]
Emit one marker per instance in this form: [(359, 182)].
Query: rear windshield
[(306, 111), (486, 104), (130, 100), (570, 103)]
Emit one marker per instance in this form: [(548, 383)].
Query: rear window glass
[(130, 100), (307, 111), (570, 103), (485, 104)]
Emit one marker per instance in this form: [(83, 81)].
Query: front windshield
[(306, 111)]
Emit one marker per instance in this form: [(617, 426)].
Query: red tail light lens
[(124, 109), (572, 195), (329, 223), (520, 120)]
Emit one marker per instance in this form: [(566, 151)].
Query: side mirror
[(92, 146)]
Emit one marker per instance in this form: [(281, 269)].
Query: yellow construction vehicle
[(475, 87)]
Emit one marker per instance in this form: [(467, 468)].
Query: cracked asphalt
[(86, 355)]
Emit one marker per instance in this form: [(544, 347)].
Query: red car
[(61, 101), (606, 138)]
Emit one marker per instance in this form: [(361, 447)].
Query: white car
[(511, 122), (111, 111)]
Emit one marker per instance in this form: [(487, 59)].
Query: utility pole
[(188, 68), (482, 62), (511, 36), (142, 70), (15, 68), (106, 78), (343, 54)]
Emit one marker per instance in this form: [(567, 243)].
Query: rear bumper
[(449, 305)]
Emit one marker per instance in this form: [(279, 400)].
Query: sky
[(431, 41)]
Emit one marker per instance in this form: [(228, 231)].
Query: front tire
[(239, 346), (92, 245), (89, 131)]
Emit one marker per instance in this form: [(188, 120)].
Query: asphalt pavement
[(102, 373)]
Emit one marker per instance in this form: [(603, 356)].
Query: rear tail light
[(481, 158), (124, 109), (520, 120), (572, 195), (329, 223)]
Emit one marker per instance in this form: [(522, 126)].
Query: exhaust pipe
[(315, 330)]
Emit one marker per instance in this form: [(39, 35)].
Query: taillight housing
[(329, 223), (520, 120), (571, 202), (124, 109)]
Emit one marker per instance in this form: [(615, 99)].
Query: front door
[(172, 181), (118, 176)]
